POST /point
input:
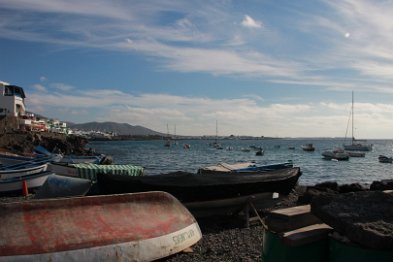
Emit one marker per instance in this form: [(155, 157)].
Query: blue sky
[(272, 68)]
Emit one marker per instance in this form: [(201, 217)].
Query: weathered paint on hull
[(142, 250), (129, 227)]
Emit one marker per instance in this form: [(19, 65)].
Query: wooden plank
[(306, 235), (291, 211), (288, 219)]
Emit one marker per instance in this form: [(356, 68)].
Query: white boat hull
[(7, 174), (16, 184)]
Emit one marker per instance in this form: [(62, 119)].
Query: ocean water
[(158, 159)]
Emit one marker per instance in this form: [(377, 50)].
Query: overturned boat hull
[(129, 227)]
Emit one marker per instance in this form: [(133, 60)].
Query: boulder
[(382, 185), (365, 217)]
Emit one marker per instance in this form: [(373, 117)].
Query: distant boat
[(129, 227), (337, 154), (385, 159), (168, 141), (215, 144), (308, 147), (356, 145), (260, 152)]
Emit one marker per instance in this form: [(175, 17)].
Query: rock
[(365, 217), (312, 192), (21, 143), (324, 186), (351, 188), (382, 185)]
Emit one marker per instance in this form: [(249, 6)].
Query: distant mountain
[(118, 128)]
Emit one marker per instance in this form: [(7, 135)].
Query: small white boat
[(8, 173), (15, 184)]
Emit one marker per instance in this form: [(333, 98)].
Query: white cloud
[(248, 21), (40, 87), (197, 115), (62, 87)]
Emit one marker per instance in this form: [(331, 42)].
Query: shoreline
[(225, 238)]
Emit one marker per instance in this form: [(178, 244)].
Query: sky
[(261, 68)]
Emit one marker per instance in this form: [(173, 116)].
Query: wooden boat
[(81, 159), (19, 171), (11, 159), (63, 186), (308, 147), (231, 206), (189, 187), (130, 227), (247, 167), (90, 171), (14, 185)]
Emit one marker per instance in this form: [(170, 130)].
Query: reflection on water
[(157, 159)]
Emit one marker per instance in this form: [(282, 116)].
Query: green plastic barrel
[(341, 252), (274, 250)]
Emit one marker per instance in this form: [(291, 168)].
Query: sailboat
[(168, 141), (356, 145), (215, 144)]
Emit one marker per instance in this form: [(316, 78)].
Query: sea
[(158, 159)]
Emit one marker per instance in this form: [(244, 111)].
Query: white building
[(12, 100)]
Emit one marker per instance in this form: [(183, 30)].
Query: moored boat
[(308, 147), (246, 167), (385, 159), (335, 155), (356, 145), (129, 227), (188, 187)]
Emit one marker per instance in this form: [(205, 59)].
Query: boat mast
[(353, 136), (216, 130)]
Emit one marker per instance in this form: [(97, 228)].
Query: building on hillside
[(12, 100)]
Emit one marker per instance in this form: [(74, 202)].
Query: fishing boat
[(7, 158), (7, 172), (14, 185), (189, 187), (308, 147), (246, 167), (129, 227), (90, 171), (356, 145)]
